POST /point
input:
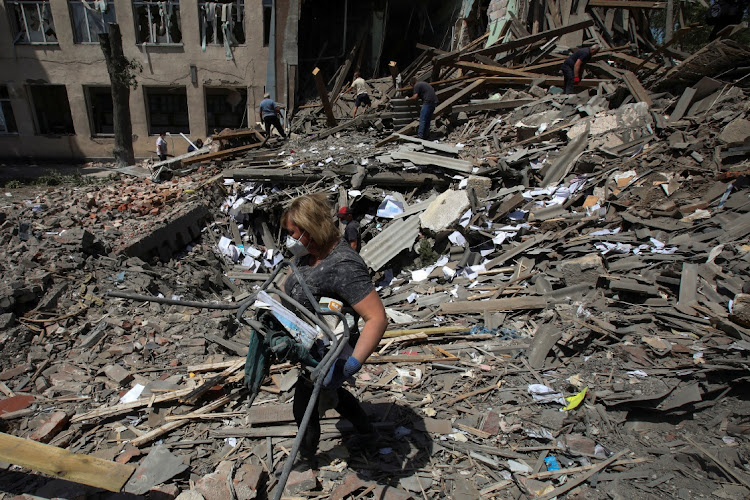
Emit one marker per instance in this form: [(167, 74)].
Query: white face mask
[(295, 246)]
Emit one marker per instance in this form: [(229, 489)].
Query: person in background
[(161, 146), (198, 144), (360, 91), (331, 268), (424, 91), (269, 115), (351, 231), (572, 67)]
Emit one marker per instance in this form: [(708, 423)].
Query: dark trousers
[(273, 120), (569, 77), (425, 116), (348, 407)]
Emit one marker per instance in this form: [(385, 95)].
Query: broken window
[(101, 114), (52, 109), (157, 22), (7, 120), (90, 17), (31, 21), (167, 110), (267, 8), (220, 21), (225, 108)]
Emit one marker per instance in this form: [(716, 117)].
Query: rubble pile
[(565, 278)]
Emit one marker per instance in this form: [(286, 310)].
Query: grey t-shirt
[(343, 275), (268, 107), (425, 92)]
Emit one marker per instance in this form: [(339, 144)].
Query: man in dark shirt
[(572, 68), (351, 232), (424, 91)]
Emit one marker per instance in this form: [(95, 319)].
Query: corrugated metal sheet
[(398, 236)]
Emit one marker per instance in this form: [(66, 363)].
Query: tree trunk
[(118, 68)]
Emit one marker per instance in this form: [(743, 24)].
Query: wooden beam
[(492, 70), (323, 93), (510, 304), (635, 87), (522, 42), (221, 154), (627, 4), (83, 469)]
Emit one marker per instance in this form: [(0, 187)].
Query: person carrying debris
[(572, 68), (424, 91), (360, 91), (196, 145), (351, 232), (269, 115), (161, 146), (331, 268)]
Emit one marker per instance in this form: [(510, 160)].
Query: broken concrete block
[(445, 210), (7, 320), (81, 239), (50, 427), (118, 374), (159, 466), (481, 186), (190, 495), (584, 269), (247, 480), (741, 309), (736, 133), (15, 403), (164, 492), (301, 481), (215, 486)]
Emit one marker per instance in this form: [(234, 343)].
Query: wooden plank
[(170, 426), (493, 70), (635, 87), (686, 99), (511, 304), (221, 154), (84, 469), (491, 104), (523, 42), (323, 93)]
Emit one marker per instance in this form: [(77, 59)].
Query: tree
[(122, 78)]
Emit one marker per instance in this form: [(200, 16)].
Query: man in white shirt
[(360, 91), (161, 147)]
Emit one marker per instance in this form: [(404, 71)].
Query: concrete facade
[(78, 66)]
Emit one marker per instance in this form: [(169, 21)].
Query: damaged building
[(201, 67), (565, 276)]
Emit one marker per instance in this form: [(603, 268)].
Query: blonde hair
[(312, 213)]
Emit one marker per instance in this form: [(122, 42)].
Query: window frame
[(154, 130), (4, 116), (87, 13), (136, 4), (11, 5), (89, 92), (209, 92), (36, 111), (241, 17), (267, 6)]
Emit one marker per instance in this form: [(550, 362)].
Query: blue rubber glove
[(340, 371)]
